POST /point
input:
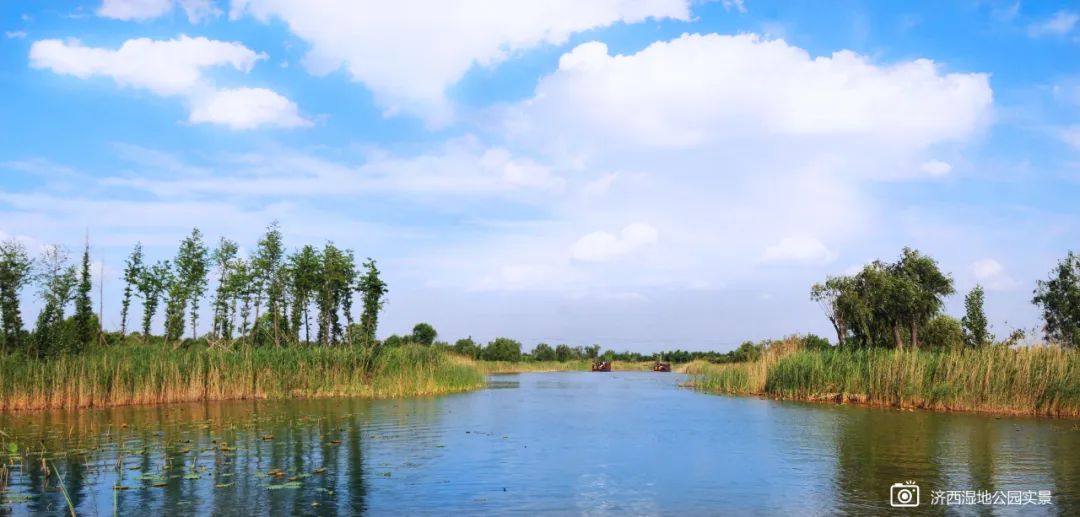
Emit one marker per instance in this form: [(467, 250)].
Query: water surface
[(549, 443)]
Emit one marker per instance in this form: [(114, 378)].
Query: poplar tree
[(56, 282), (224, 258), (84, 309), (133, 271), (976, 331), (266, 266), (16, 268), (152, 285), (372, 291), (306, 266), (334, 281)]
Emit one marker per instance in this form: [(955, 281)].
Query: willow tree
[(133, 271), (84, 309), (373, 293), (1059, 299), (16, 268)]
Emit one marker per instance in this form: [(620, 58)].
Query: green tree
[(1059, 299), (925, 286), (943, 332), (467, 347), (16, 269), (976, 328), (502, 349), (243, 290), (373, 292), (424, 334), (152, 286), (564, 353), (592, 352), (57, 281), (306, 268), (84, 309), (133, 271), (224, 258), (266, 268), (187, 286), (392, 341), (543, 352)]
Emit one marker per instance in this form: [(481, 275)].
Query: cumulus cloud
[(143, 10), (175, 67), (992, 275), (604, 246), (714, 87), (247, 108), (1060, 24), (936, 167), (799, 248), (435, 43)]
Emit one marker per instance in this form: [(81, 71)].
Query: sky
[(642, 174)]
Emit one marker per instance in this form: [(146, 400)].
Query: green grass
[(149, 374), (1036, 380), (577, 365)]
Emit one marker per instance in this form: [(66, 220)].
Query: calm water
[(553, 443)]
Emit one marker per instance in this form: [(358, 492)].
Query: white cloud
[(409, 52), (247, 108), (1071, 136), (15, 34), (175, 67), (799, 248), (991, 274), (738, 5), (936, 167), (698, 89), (1060, 24), (143, 10), (605, 246)]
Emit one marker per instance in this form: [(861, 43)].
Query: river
[(540, 443)]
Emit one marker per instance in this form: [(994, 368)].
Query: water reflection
[(577, 443)]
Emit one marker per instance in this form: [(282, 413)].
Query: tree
[(84, 309), (592, 352), (467, 347), (424, 334), (242, 288), (16, 269), (57, 282), (1059, 299), (265, 271), (133, 270), (224, 258), (943, 332), (502, 349), (543, 352), (976, 331), (831, 295), (373, 296), (187, 285), (152, 286), (334, 281), (564, 353), (926, 286), (306, 266)]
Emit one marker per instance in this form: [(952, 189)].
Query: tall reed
[(1036, 380), (146, 374)]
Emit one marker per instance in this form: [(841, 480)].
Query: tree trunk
[(896, 336), (914, 334)]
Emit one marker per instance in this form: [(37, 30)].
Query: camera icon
[(904, 495)]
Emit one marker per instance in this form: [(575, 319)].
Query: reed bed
[(141, 374), (1033, 380)]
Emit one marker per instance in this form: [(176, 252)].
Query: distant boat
[(662, 367), (602, 366)]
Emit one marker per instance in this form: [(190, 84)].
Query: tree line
[(900, 304), (270, 298)]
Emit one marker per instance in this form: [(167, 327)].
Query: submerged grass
[(142, 374), (1035, 380)]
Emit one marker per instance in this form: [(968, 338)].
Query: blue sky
[(642, 174)]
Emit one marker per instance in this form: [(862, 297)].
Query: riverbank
[(149, 374), (1032, 380)]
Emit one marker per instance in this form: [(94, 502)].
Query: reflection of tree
[(355, 469), (877, 448), (1066, 469)]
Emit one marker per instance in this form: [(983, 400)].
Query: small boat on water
[(661, 367), (601, 366)]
